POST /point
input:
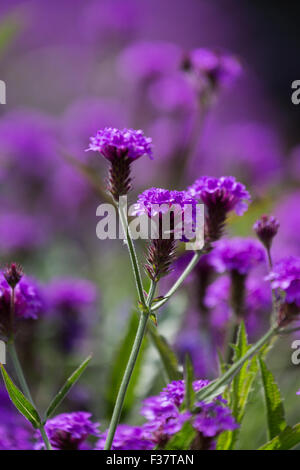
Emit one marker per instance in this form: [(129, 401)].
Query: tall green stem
[(132, 254), (129, 368)]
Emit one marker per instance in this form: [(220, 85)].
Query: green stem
[(210, 389), (142, 327), (133, 256), (23, 383), (179, 281)]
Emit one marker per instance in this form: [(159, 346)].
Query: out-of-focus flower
[(237, 254), (216, 67), (285, 276), (68, 431), (127, 438), (298, 393), (15, 432), (159, 205), (164, 417), (287, 241), (251, 151), (120, 148), (21, 232), (266, 228), (257, 305), (29, 302), (148, 60), (28, 143), (220, 196), (72, 303)]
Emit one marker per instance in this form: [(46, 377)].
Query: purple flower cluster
[(286, 276), (164, 417), (218, 67), (127, 143), (29, 302), (69, 431), (237, 254), (127, 438), (225, 192), (266, 228), (258, 303)]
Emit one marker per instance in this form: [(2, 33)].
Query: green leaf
[(166, 353), (189, 378), (20, 401), (183, 439), (240, 389), (66, 388), (273, 401), (286, 440), (119, 364)]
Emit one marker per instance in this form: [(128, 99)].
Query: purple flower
[(15, 437), (68, 431), (213, 419), (120, 148), (257, 304), (19, 231), (113, 143), (217, 67), (225, 192), (286, 276), (165, 417), (237, 254), (29, 301), (173, 217), (127, 438), (266, 228)]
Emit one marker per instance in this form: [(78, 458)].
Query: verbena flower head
[(126, 143), (120, 148), (127, 438), (173, 217), (68, 431), (266, 228), (29, 302), (224, 192), (220, 196), (237, 254), (285, 276), (164, 417), (212, 67)]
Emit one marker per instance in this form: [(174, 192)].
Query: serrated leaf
[(274, 404), (166, 354), (20, 401), (119, 364), (183, 439), (286, 440), (66, 388), (189, 396)]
